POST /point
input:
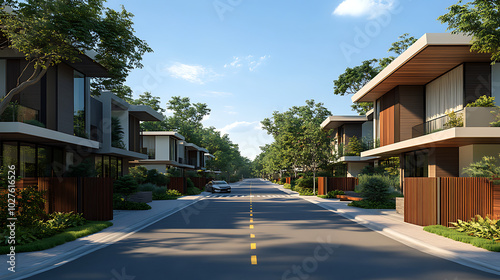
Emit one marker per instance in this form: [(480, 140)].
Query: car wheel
[(213, 190)]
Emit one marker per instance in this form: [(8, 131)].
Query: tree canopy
[(49, 32), (479, 19), (299, 142), (353, 79)]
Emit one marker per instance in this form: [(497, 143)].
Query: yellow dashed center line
[(251, 226), (251, 220), (251, 215), (253, 246), (252, 235), (254, 260)]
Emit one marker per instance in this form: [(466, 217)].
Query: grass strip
[(487, 244), (68, 235)]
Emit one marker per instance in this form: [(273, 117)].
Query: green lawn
[(464, 237), (69, 234)]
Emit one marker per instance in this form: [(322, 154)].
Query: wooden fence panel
[(199, 182), (97, 199), (63, 196), (342, 183), (322, 185), (463, 198), (421, 201), (496, 202), (177, 183)]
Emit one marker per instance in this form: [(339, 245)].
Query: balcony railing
[(467, 117)]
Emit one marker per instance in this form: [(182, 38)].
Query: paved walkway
[(391, 224)]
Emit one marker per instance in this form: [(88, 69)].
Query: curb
[(409, 241), (110, 239)]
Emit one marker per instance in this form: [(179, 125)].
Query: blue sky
[(248, 58)]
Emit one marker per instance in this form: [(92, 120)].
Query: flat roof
[(428, 58), (163, 133), (336, 121)]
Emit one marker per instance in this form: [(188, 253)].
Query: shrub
[(480, 227), (487, 167), (173, 172), (303, 191), (333, 194), (287, 186), (193, 191), (454, 120), (35, 123), (189, 183), (375, 188), (306, 182), (129, 205), (367, 204), (173, 193), (31, 206), (147, 187), (483, 101), (85, 168), (139, 173), (60, 221), (125, 185), (464, 237), (157, 178)]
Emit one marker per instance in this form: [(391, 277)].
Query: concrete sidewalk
[(125, 223), (392, 225)]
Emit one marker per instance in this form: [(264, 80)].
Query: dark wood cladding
[(97, 199), (444, 162), (134, 141), (430, 201), (477, 80), (93, 197), (421, 195), (341, 183), (177, 183), (410, 110), (387, 118)]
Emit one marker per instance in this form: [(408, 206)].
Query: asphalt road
[(258, 232)]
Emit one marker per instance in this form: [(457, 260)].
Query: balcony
[(18, 113), (467, 117)]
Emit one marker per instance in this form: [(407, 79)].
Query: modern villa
[(344, 128), (413, 98)]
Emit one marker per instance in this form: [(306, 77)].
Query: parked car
[(217, 186)]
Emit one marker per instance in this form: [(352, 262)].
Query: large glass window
[(173, 149), (3, 77), (44, 161), (417, 164), (79, 104), (9, 156), (98, 165), (27, 160), (105, 166), (113, 168)]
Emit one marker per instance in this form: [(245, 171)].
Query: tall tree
[(479, 19), (353, 79), (49, 32)]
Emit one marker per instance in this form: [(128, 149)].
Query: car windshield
[(219, 182)]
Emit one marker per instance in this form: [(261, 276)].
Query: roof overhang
[(145, 113), (192, 146), (122, 153), (333, 122), (357, 159), (453, 137), (428, 58), (88, 66), (17, 131), (163, 133), (159, 162)]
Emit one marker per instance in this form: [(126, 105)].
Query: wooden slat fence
[(463, 198), (421, 198), (97, 204), (91, 196), (341, 183), (322, 185), (177, 183), (199, 182), (430, 201)]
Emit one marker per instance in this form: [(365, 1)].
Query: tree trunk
[(38, 73)]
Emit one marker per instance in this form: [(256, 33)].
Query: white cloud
[(249, 136), (248, 61), (195, 74), (358, 8)]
